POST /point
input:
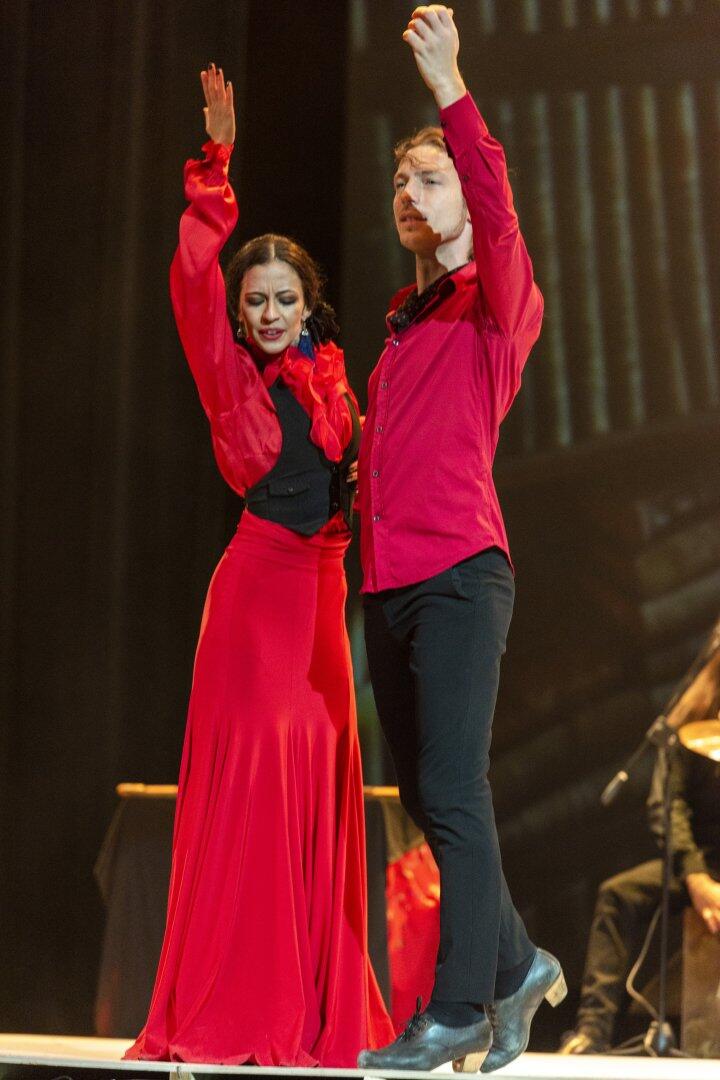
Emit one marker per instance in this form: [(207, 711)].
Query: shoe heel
[(470, 1063), (557, 992)]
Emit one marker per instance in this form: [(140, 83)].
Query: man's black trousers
[(434, 652)]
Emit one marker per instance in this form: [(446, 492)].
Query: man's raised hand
[(219, 109), (433, 38)]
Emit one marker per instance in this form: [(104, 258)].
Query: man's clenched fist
[(433, 38)]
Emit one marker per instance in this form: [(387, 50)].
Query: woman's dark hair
[(321, 322)]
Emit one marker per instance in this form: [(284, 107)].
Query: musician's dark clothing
[(626, 903), (434, 651), (694, 812), (303, 489)]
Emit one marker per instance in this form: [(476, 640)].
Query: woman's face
[(272, 306)]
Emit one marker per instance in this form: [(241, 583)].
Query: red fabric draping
[(265, 952), (413, 912)]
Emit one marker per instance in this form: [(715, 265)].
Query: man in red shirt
[(438, 584)]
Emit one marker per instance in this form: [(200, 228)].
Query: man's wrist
[(449, 90)]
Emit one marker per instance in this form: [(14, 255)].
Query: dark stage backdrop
[(113, 515)]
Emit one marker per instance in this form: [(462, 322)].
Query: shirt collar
[(449, 283)]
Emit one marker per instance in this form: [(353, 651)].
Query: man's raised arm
[(510, 297)]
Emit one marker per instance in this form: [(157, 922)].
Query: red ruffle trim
[(320, 387)]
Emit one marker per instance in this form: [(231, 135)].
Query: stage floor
[(23, 1056)]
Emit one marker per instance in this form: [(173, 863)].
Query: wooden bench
[(700, 989)]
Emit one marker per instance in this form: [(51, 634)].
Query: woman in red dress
[(265, 954)]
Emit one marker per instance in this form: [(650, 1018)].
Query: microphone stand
[(659, 1040)]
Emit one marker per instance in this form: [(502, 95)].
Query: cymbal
[(702, 737)]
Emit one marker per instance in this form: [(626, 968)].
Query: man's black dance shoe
[(425, 1044), (511, 1016)]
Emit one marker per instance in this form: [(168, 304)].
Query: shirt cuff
[(214, 166), (462, 125), (217, 152), (692, 862)]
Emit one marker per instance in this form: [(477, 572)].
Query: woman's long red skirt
[(265, 953)]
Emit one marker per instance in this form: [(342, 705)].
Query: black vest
[(303, 490)]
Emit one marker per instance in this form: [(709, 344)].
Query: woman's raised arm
[(197, 287)]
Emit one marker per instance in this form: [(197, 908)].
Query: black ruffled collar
[(415, 304)]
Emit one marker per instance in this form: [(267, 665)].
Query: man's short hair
[(427, 136)]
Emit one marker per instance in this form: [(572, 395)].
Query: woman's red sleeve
[(197, 288)]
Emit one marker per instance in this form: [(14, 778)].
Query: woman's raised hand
[(219, 108)]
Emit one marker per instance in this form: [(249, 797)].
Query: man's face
[(429, 207)]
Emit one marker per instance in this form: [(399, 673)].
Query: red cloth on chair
[(413, 911)]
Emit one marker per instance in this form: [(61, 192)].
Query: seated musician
[(627, 902)]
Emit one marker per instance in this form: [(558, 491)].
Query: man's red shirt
[(442, 386)]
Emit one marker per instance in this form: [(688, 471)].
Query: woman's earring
[(241, 332), (306, 342)]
